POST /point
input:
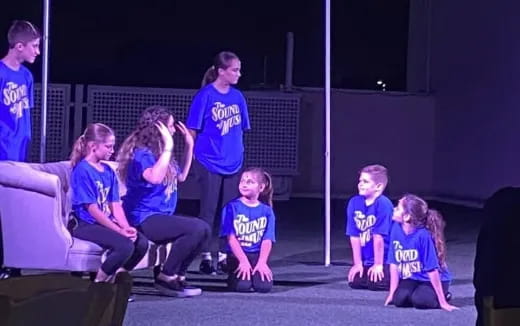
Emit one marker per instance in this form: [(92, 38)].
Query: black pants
[(417, 294), (364, 282), (239, 285), (216, 190), (122, 252), (479, 305), (187, 235), (1, 246)]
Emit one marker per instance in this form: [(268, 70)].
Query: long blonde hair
[(95, 132)]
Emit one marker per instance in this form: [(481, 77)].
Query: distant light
[(380, 82)]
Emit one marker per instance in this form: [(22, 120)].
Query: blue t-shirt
[(414, 254), (251, 225), (90, 186), (220, 120), (16, 99), (143, 198), (363, 221)]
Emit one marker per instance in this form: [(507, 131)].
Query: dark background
[(171, 43)]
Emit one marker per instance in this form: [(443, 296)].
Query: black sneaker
[(448, 296), (206, 267), (222, 267), (6, 273), (131, 298), (176, 288), (156, 271)]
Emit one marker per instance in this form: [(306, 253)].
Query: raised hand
[(165, 135), (188, 138)]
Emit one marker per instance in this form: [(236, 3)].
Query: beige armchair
[(34, 213)]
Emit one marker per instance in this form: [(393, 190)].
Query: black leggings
[(239, 285), (122, 252), (364, 282), (418, 294), (216, 190), (187, 235)]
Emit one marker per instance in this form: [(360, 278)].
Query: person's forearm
[(437, 286), (186, 164), (157, 172), (119, 214), (379, 249), (236, 248), (356, 250), (394, 278), (101, 218), (265, 251)]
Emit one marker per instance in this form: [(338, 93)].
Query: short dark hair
[(378, 173), (22, 31)]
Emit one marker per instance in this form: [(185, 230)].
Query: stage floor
[(306, 292)]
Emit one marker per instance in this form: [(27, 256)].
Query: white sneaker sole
[(187, 292)]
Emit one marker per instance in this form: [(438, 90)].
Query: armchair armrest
[(22, 176), (33, 231)]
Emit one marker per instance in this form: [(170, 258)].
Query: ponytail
[(435, 224), (209, 76), (266, 196), (263, 177), (95, 132), (221, 61), (78, 150)]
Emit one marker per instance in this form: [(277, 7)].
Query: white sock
[(221, 256), (206, 256)]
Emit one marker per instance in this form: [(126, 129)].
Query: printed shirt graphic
[(220, 120), (142, 198), (16, 99), (364, 221), (251, 225), (91, 186), (414, 254)]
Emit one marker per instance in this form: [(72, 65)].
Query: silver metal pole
[(327, 132), (428, 45), (45, 81)]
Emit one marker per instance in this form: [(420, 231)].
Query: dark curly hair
[(146, 136)]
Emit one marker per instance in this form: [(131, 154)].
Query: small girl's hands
[(188, 138), (265, 272), (354, 270), (244, 270), (448, 307), (129, 232), (166, 136), (375, 273)]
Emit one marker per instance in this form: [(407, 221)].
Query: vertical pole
[(45, 80), (327, 132)]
